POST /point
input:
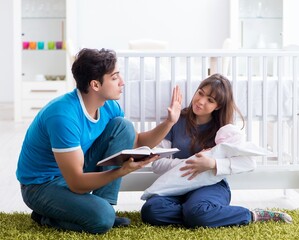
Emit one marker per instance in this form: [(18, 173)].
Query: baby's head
[(229, 134)]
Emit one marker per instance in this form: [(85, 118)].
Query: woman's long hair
[(222, 91)]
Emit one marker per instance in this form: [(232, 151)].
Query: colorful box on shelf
[(59, 45), (25, 45), (40, 45), (51, 45), (29, 45), (56, 45), (32, 45)]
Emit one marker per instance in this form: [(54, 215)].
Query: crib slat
[(280, 143), (142, 95), (189, 93), (203, 67), (249, 98), (173, 70), (264, 130), (234, 81), (219, 65), (158, 90), (295, 119), (127, 90)]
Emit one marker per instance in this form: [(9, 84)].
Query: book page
[(143, 147), (144, 150), (163, 150)]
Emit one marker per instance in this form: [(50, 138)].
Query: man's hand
[(131, 165), (197, 165)]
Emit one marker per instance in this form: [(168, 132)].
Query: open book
[(138, 154)]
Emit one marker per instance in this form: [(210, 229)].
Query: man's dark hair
[(92, 64)]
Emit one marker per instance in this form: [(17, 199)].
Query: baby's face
[(229, 134)]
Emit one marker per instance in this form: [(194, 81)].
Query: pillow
[(149, 69), (147, 44)]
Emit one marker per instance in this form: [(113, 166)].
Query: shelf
[(42, 21), (260, 18), (38, 51), (41, 18), (43, 9), (56, 53), (43, 62), (44, 82)]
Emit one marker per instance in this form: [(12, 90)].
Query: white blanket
[(172, 183)]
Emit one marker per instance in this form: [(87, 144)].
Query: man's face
[(112, 86)]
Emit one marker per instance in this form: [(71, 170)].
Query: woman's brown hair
[(221, 89)]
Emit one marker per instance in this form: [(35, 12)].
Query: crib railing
[(265, 86)]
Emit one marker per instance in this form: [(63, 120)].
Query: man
[(57, 168)]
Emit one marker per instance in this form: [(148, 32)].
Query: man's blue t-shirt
[(63, 125)]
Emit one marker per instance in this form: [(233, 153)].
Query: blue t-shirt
[(180, 138), (63, 125)]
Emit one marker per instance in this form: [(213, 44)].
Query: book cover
[(138, 154)]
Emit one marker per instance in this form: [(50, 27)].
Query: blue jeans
[(90, 212), (204, 207)]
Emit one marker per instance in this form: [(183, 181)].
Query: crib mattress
[(149, 99)]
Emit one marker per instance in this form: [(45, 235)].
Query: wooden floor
[(11, 137)]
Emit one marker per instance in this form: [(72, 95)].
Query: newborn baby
[(230, 142)]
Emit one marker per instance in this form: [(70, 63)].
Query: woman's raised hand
[(174, 110)]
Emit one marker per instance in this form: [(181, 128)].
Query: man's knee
[(98, 222), (124, 125)]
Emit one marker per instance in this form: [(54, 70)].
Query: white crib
[(266, 88)]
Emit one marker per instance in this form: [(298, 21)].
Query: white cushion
[(147, 44)]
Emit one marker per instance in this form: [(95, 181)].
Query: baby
[(230, 142)]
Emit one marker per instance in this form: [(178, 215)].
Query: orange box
[(32, 45)]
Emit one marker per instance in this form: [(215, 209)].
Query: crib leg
[(285, 193)]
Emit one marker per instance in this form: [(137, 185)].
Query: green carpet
[(20, 226)]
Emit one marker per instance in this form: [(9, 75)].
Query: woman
[(211, 108)]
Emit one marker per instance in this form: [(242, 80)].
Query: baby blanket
[(230, 142)]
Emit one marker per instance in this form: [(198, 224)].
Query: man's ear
[(95, 85)]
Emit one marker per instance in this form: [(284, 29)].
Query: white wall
[(290, 27), (184, 24), (6, 53)]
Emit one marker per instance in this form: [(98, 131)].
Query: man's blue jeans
[(90, 212)]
